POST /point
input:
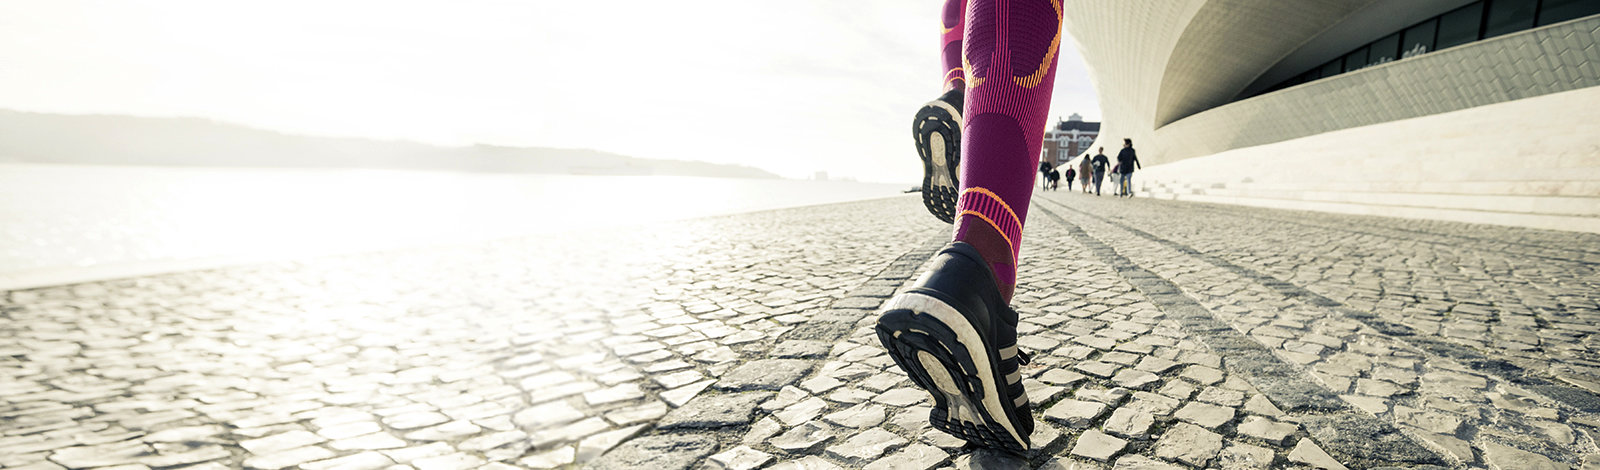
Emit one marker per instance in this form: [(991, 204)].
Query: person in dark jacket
[(1071, 174), (1127, 160), (1044, 174), (1100, 162)]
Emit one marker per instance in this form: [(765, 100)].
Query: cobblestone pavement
[(1164, 335)]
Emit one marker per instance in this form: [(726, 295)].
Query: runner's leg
[(1010, 54)]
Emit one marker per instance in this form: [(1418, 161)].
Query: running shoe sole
[(937, 131), (944, 354)]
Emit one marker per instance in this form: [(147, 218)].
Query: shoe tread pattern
[(938, 194), (904, 334)]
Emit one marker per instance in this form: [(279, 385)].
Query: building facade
[(1067, 139), (1468, 110)]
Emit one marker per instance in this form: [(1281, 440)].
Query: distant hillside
[(128, 140)]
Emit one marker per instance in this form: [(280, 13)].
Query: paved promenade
[(1164, 335)]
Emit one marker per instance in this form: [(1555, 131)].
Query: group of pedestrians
[(1094, 169)]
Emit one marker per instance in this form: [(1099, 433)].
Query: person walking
[(1070, 174), (953, 331), (1116, 179), (1127, 160), (1084, 172), (1100, 163), (1044, 174)]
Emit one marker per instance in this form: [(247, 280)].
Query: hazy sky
[(793, 87)]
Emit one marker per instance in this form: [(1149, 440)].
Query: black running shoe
[(937, 130), (957, 339)]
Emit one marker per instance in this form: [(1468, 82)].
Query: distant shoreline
[(192, 142)]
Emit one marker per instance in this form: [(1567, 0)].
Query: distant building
[(1068, 139)]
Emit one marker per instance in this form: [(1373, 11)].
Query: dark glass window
[(1509, 16), (1384, 50), (1556, 11), (1355, 60), (1460, 26), (1331, 68), (1419, 39)]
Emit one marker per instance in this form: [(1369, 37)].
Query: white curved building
[(1469, 110)]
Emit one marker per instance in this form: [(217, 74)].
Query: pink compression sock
[(1010, 66), (954, 25)]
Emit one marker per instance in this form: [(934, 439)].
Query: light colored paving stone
[(1266, 429), (867, 445), (1205, 414), (1067, 463), (1239, 456), (804, 437), (547, 415), (849, 395), (1061, 377), (1097, 445), (861, 416), (1140, 462), (677, 397), (902, 397), (1202, 375), (739, 458), (1307, 452), (1097, 368), (1190, 444), (550, 459), (810, 462), (363, 461), (452, 430), (1152, 403), (288, 458), (408, 454), (1503, 457), (1221, 397), (1109, 396), (912, 457), (762, 430), (1179, 389), (1129, 423), (1135, 379), (1075, 413), (593, 446), (1449, 445), (374, 441), (1260, 405), (1155, 365), (805, 410), (1373, 405), (786, 396), (281, 441)]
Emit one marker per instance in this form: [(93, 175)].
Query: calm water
[(60, 223)]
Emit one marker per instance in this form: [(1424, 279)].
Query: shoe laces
[(1023, 357)]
